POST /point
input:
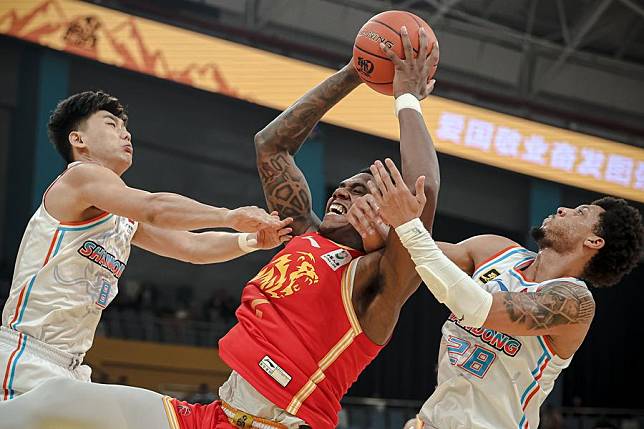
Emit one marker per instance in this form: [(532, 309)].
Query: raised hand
[(268, 238), (412, 73), (251, 219), (396, 204), (363, 215)]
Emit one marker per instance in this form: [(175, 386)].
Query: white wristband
[(245, 243), (407, 101)]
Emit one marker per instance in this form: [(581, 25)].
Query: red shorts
[(183, 415)]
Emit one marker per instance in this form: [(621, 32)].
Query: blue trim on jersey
[(544, 355), (529, 258), (539, 362), (84, 228), (502, 286), (530, 387), (13, 367), (543, 346), (60, 240), (523, 282), (499, 259), (31, 282), (24, 304), (522, 422)]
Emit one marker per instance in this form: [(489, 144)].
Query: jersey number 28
[(475, 360)]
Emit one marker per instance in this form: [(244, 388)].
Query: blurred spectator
[(144, 311), (551, 418), (576, 401), (148, 298), (220, 307), (5, 286), (103, 378), (603, 423), (203, 395)]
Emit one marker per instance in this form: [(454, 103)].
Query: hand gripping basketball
[(377, 69), (412, 73)]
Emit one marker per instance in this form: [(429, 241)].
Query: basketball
[(373, 66)]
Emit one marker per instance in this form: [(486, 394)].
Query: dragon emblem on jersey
[(287, 274)]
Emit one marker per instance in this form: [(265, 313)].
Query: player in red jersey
[(313, 318), (321, 310)]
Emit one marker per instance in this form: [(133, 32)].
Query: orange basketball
[(373, 66)]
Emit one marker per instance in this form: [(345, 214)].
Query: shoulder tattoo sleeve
[(561, 303)]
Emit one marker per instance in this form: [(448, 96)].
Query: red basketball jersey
[(298, 340)]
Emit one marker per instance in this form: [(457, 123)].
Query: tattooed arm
[(284, 185), (558, 308)]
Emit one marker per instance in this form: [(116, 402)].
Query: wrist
[(351, 74), (410, 229), (225, 217), (407, 101), (247, 242)]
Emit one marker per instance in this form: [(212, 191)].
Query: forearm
[(176, 212), (418, 156), (451, 286), (215, 246), (289, 130)]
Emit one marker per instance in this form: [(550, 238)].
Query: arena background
[(195, 101)]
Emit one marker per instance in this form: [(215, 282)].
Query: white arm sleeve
[(449, 284)]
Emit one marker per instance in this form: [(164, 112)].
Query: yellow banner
[(264, 78)]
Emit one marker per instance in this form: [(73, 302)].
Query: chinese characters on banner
[(211, 64), (534, 148)]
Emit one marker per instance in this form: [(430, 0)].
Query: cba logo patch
[(287, 274), (489, 275), (337, 258)]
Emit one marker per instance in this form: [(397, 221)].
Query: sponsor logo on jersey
[(287, 274), (510, 346), (489, 276), (104, 294), (275, 371), (97, 254)]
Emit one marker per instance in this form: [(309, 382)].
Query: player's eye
[(359, 190)]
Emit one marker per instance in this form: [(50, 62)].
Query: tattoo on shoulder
[(285, 187), (562, 303)]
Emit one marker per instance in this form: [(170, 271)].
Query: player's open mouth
[(338, 209)]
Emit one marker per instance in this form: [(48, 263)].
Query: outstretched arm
[(559, 309), (284, 185), (91, 185), (208, 247)]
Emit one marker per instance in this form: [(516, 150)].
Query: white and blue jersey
[(65, 275), (488, 379)]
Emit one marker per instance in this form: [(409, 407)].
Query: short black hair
[(366, 170), (620, 225), (72, 111)]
